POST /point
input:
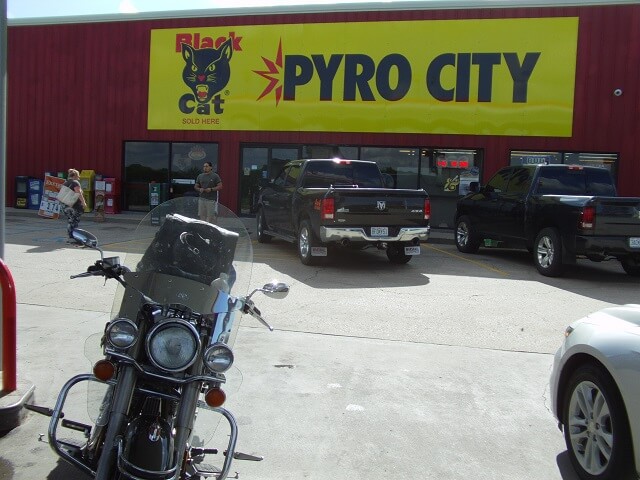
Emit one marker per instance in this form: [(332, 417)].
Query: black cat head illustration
[(206, 70)]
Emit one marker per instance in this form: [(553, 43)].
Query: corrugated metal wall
[(76, 92)]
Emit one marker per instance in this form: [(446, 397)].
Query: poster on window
[(49, 205), (466, 177)]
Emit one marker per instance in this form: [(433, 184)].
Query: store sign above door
[(483, 77)]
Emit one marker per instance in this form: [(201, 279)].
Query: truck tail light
[(327, 208), (587, 218), (427, 209)]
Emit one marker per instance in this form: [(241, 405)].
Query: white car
[(595, 390)]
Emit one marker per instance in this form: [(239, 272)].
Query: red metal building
[(79, 96)]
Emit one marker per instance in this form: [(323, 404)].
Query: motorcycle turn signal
[(215, 397), (104, 370)]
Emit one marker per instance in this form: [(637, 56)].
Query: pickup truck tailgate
[(368, 207), (617, 216)]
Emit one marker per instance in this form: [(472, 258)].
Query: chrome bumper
[(357, 234)]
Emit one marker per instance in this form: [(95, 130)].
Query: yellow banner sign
[(484, 77)]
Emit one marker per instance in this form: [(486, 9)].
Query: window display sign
[(481, 76)]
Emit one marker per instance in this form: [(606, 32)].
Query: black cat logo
[(206, 73)]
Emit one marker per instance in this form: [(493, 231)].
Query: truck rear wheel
[(306, 242), (395, 253), (467, 240), (547, 253), (631, 266)]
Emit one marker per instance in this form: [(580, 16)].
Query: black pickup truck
[(330, 202), (558, 212)]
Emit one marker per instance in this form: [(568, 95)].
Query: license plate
[(412, 250), (379, 231), (318, 251), (634, 242)]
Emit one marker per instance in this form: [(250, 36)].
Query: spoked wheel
[(306, 242), (467, 240), (547, 253), (596, 427)]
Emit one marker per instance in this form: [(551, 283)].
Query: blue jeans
[(73, 219)]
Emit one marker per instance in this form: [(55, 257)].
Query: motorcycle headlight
[(173, 346), (218, 358), (122, 333)]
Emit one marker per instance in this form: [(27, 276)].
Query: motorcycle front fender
[(146, 450)]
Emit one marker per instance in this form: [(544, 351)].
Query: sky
[(54, 8)]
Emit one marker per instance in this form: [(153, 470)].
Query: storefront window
[(448, 172), (144, 162), (401, 163), (605, 160), (329, 151), (534, 158)]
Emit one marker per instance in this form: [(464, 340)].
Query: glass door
[(187, 160)]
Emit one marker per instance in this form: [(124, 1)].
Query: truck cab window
[(499, 181), (599, 182), (520, 181), (281, 179), (292, 176), (561, 182)]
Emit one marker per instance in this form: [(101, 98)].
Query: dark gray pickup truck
[(558, 212), (332, 202)]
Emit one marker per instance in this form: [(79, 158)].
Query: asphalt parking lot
[(437, 369)]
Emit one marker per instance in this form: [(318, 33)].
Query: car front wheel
[(596, 428), (547, 252)]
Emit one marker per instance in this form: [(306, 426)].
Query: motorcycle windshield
[(177, 259)]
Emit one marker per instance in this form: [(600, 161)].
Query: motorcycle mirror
[(86, 238), (275, 290)]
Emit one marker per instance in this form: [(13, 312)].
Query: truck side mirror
[(264, 182), (474, 187)]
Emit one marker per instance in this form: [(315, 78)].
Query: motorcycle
[(166, 349)]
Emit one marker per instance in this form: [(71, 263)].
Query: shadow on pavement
[(565, 468)]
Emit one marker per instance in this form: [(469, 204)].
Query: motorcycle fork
[(117, 420), (184, 421)]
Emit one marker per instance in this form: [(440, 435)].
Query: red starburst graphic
[(272, 74)]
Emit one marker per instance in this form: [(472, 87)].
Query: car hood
[(622, 317)]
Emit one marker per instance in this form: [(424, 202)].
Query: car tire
[(261, 225), (596, 426), (547, 252), (395, 253), (630, 266), (467, 240), (306, 241)]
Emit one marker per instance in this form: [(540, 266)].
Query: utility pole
[(3, 118)]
